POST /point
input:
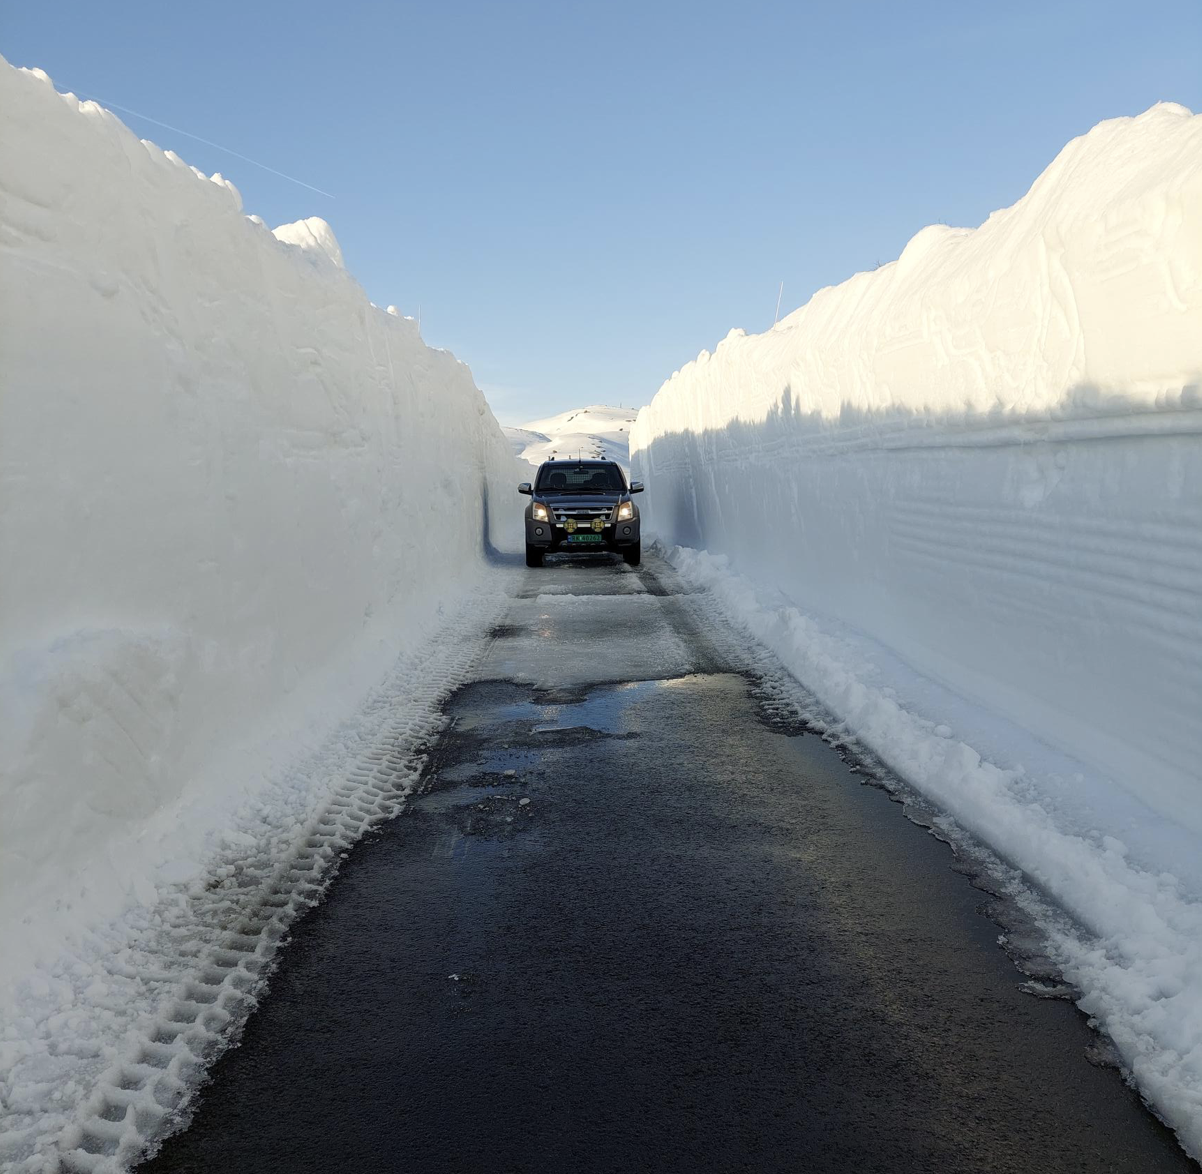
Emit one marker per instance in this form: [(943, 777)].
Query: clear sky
[(582, 196)]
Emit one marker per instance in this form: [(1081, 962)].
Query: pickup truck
[(578, 506)]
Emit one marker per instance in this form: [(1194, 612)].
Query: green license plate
[(586, 537)]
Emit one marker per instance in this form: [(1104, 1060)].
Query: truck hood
[(576, 501)]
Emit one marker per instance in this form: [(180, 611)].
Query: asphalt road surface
[(638, 921)]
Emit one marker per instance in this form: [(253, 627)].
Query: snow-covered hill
[(595, 431), (962, 496)]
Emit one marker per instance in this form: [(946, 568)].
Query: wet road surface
[(635, 922)]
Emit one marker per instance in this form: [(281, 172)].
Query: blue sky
[(583, 196)]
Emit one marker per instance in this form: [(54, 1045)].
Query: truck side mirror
[(525, 488), (636, 487)]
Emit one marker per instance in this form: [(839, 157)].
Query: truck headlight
[(540, 513), (626, 511)]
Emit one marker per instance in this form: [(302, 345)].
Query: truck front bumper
[(550, 536)]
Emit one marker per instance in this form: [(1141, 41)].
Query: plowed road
[(638, 919)]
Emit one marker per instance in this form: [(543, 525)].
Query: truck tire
[(534, 555), (634, 554)]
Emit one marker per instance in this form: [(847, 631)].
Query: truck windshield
[(582, 478)]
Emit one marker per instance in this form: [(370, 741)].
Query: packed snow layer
[(234, 491), (985, 461), (595, 432)]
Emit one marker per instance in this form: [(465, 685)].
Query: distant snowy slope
[(962, 495), (595, 431), (522, 438)]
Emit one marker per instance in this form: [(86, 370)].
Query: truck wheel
[(534, 556), (633, 554)]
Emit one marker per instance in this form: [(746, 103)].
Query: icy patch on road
[(1134, 947), (552, 641), (566, 597), (103, 1051)]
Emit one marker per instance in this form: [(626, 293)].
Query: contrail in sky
[(207, 143)]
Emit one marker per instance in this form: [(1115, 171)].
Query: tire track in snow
[(211, 961)]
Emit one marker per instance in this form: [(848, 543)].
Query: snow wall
[(233, 491), (961, 496), (987, 455)]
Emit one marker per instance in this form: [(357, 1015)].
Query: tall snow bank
[(227, 476), (988, 453), (983, 463)]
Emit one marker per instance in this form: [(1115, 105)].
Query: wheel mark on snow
[(146, 1093)]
